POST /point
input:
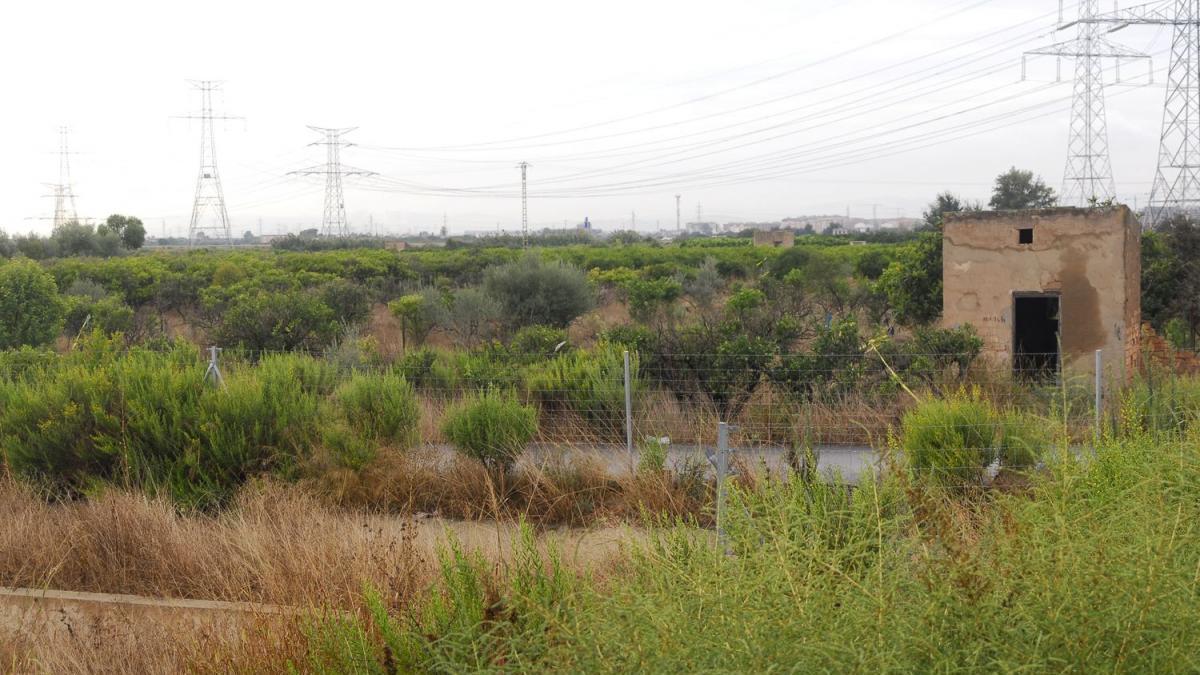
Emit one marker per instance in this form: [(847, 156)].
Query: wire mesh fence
[(609, 400)]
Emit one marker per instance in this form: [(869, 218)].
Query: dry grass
[(275, 545), (561, 488), (150, 647)]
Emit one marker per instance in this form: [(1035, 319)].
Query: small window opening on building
[(1025, 235), (1036, 336)]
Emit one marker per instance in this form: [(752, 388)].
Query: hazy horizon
[(771, 110)]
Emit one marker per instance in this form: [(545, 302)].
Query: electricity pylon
[(334, 222), (524, 166), (1176, 188), (210, 196), (64, 190), (1088, 176)]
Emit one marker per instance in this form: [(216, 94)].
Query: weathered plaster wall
[(1092, 257)]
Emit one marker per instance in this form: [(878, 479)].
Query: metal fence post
[(1099, 393), (213, 373), (628, 410), (722, 472)]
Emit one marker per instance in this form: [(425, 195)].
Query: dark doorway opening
[(1035, 336)]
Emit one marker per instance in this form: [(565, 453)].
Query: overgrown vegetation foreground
[(1089, 566)]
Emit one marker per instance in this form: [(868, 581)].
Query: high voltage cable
[(770, 159), (706, 97), (987, 52), (832, 161), (868, 95), (861, 76)]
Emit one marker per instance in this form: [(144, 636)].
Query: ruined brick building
[(1047, 288)]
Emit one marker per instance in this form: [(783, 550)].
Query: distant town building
[(774, 238), (395, 244)]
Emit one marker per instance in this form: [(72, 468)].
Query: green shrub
[(533, 343), (652, 457), (150, 420), (590, 384), (484, 368), (31, 311), (535, 292), (429, 370), (1161, 402), (381, 406), (251, 426), (315, 376), (633, 337), (350, 302), (348, 448), (954, 440), (266, 321), (492, 426)]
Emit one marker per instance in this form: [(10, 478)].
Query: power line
[(333, 222), (699, 99)]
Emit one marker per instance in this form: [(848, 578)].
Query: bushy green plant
[(381, 406), (1163, 402), (835, 364), (954, 440), (108, 315), (350, 302), (30, 307), (492, 426), (484, 368), (149, 419), (347, 447), (951, 440), (533, 343), (315, 376), (535, 292), (263, 321), (652, 457), (590, 384)]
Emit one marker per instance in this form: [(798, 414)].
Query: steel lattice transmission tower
[(1088, 176), (334, 222), (64, 190), (1177, 179), (210, 196), (524, 167)]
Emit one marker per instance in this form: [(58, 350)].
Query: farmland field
[(400, 449)]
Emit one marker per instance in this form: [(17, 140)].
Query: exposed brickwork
[(1157, 351)]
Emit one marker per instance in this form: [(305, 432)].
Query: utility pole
[(633, 220), (524, 166), (209, 193), (678, 214), (699, 213), (333, 223), (1088, 175)]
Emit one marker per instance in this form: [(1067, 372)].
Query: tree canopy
[(1017, 189)]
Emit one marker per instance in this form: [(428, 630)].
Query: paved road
[(845, 462)]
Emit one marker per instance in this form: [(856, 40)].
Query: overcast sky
[(756, 109)]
